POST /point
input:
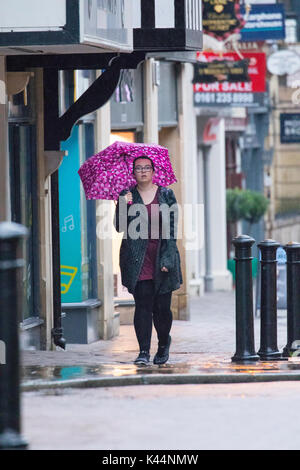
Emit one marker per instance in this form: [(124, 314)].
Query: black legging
[(147, 304)]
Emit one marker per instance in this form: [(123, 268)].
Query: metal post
[(268, 303), (245, 349), (5, 203), (51, 112), (208, 278), (11, 235), (293, 298)]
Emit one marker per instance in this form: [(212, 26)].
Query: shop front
[(66, 42), (62, 260)]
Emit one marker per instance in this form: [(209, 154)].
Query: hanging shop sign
[(244, 93), (290, 128), (264, 22), (284, 62), (221, 71), (221, 18)]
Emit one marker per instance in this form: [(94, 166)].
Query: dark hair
[(142, 157)]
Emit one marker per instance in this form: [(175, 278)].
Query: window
[(78, 247), (290, 30), (24, 208), (88, 222), (23, 187)]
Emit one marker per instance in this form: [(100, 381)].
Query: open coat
[(133, 250)]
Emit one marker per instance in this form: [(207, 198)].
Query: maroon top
[(148, 268)]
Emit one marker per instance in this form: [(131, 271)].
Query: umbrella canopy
[(107, 173)]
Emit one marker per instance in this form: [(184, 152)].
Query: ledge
[(31, 322), (89, 304), (123, 302), (285, 220)]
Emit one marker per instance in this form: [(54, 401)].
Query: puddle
[(40, 374)]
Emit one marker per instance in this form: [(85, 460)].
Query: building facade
[(59, 68)]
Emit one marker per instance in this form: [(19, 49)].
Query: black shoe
[(162, 354), (143, 358)]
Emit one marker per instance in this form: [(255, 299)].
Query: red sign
[(210, 133), (257, 73)]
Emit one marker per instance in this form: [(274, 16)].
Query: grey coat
[(132, 251)]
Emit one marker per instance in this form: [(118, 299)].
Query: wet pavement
[(35, 377), (200, 352)]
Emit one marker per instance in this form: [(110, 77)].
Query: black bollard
[(11, 264), (293, 298), (268, 303), (245, 349)]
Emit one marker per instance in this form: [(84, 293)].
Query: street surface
[(167, 417)]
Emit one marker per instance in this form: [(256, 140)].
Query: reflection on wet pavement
[(58, 373)]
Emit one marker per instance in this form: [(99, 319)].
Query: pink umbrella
[(107, 173)]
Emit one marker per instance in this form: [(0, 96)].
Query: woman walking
[(150, 266)]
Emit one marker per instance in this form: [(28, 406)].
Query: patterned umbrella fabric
[(107, 173)]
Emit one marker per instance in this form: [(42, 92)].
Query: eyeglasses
[(138, 169)]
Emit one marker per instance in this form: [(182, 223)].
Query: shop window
[(291, 30), (77, 220), (24, 208), (20, 105), (78, 247), (88, 222), (72, 84), (120, 291), (127, 101)]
